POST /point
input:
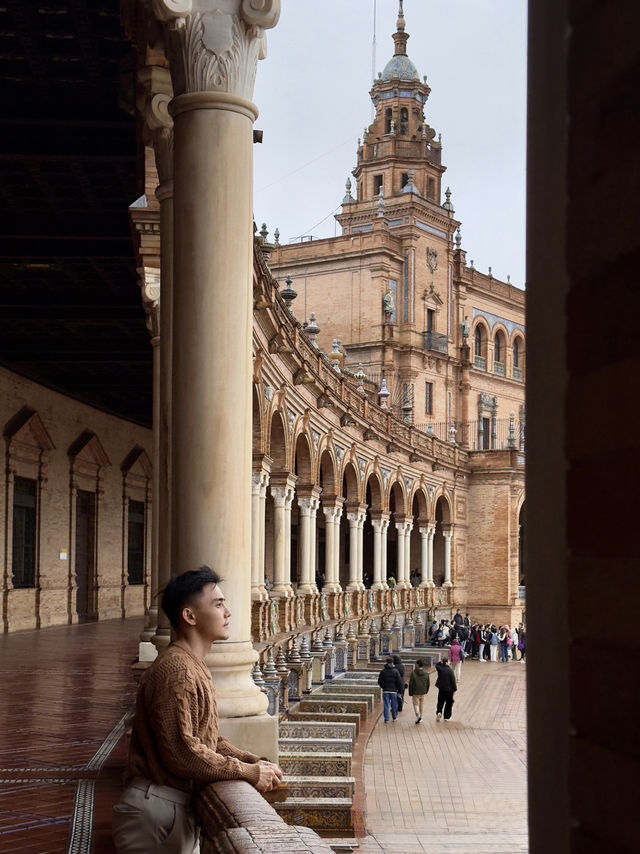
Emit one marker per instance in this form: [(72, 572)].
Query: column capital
[(282, 495), (214, 46), (447, 533), (155, 93), (149, 281)]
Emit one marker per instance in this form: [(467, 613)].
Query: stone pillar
[(379, 522), (315, 504), (424, 557), (332, 513), (259, 483), (354, 538), (383, 551), (431, 529), (306, 505), (362, 515), (447, 534), (282, 494), (400, 528), (408, 528), (213, 49)]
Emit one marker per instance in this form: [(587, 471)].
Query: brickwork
[(66, 447)]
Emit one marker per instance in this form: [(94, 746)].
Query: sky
[(312, 92)]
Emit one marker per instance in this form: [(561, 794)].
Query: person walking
[(399, 666), (391, 683), (419, 684), (447, 686), (522, 644), (457, 656), (493, 644)]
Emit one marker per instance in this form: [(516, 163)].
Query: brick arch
[(303, 465), (374, 483), (480, 325), (419, 505), (278, 446), (350, 483), (328, 471), (398, 491)]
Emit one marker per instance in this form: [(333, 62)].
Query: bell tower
[(399, 154)]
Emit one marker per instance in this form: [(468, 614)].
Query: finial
[(384, 394), (410, 187), (348, 198), (400, 23), (471, 265), (361, 377), (276, 236), (288, 294), (458, 238), (381, 203), (263, 232), (508, 279), (313, 330), (490, 273), (447, 205)]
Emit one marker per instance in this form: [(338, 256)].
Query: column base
[(429, 584), (280, 593), (147, 651), (162, 639), (258, 733), (332, 587), (447, 584), (305, 589), (403, 585), (352, 587), (379, 585)]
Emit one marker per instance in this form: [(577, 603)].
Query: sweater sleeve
[(173, 711)]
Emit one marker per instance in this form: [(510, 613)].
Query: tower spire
[(400, 37)]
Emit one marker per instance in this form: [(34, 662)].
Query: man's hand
[(271, 775)]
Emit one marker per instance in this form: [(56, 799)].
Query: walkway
[(439, 788)]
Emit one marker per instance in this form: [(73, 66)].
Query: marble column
[(282, 494), (332, 513), (383, 552), (362, 515), (213, 51), (431, 530), (447, 534), (408, 528), (353, 518), (259, 482), (377, 523), (400, 528), (313, 516), (424, 557), (304, 531)]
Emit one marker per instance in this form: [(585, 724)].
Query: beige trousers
[(152, 819), (418, 704)]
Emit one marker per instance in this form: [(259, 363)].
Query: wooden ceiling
[(70, 308)]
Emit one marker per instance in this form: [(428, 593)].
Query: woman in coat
[(419, 684), (456, 654)]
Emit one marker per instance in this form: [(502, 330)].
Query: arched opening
[(278, 452), (351, 500), (480, 347), (419, 513), (518, 358), (499, 353), (397, 514), (302, 470), (443, 519), (388, 116), (404, 121)]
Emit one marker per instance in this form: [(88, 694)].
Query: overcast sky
[(312, 91)]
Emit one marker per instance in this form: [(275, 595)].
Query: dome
[(400, 66)]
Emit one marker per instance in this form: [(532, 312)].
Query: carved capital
[(155, 93), (149, 279), (214, 46)]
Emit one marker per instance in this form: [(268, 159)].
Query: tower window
[(387, 120), (428, 398), (24, 532), (377, 184), (404, 121), (431, 189), (405, 179)]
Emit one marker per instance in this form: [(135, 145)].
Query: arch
[(499, 346), (404, 121), (278, 445), (518, 350), (327, 472), (256, 412), (350, 484), (443, 518), (480, 338), (397, 498), (419, 506), (388, 116), (302, 460), (374, 492)]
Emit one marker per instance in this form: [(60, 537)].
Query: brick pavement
[(439, 788)]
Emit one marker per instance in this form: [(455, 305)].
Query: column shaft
[(447, 558)]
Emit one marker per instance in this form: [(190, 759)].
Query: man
[(175, 744), (391, 683), (419, 684), (447, 686), (458, 618)]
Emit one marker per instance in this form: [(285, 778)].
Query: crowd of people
[(482, 642)]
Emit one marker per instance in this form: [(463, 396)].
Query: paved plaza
[(437, 788)]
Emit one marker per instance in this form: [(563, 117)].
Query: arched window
[(499, 353), (404, 121), (497, 348), (516, 353), (480, 347), (387, 120), (478, 341)]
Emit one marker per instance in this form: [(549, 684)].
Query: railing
[(517, 374), (436, 341), (480, 363), (499, 369), (501, 435)]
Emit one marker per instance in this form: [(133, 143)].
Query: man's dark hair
[(389, 660), (420, 662), (181, 589)]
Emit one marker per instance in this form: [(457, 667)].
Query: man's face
[(211, 613)]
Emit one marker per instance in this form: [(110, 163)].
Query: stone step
[(315, 764), (357, 688), (321, 787), (322, 814), (315, 745), (358, 675), (296, 716), (318, 729), (336, 705)]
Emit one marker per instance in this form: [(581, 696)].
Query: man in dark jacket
[(447, 686), (391, 682)]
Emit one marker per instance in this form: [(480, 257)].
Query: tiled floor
[(64, 690), (440, 788), (430, 789)]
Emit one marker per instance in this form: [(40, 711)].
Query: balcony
[(437, 342), (499, 369), (517, 374), (480, 363)]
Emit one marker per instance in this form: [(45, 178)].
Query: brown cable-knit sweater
[(175, 740)]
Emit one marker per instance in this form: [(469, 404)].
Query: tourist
[(493, 643), (457, 620), (514, 644), (419, 684), (399, 666), (391, 683), (481, 639), (175, 744), (456, 653), (503, 635), (446, 685), (522, 643)]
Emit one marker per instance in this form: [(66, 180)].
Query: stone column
[(383, 551), (377, 524), (400, 528), (408, 528), (313, 515), (282, 495), (353, 518), (424, 557), (332, 513), (305, 584), (259, 482), (362, 515), (431, 529), (213, 49), (447, 534)]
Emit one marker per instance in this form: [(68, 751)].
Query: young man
[(175, 743), (391, 683), (447, 686)]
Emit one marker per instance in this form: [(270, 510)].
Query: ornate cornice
[(215, 46)]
